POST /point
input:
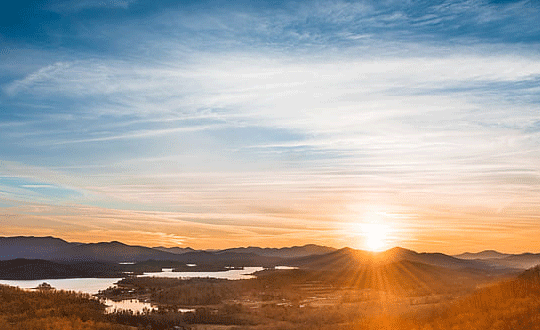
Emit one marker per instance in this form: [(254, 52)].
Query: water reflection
[(285, 267), (134, 305), (232, 274), (94, 285), (84, 285)]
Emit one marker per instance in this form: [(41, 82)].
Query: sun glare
[(375, 236)]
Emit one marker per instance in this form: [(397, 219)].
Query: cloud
[(73, 6), (404, 119), (237, 120)]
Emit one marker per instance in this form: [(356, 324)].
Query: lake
[(135, 305), (93, 285), (85, 285), (231, 274)]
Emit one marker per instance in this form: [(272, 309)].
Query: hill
[(175, 250), (351, 258), (286, 252), (113, 252), (398, 277), (511, 304), (37, 269), (31, 247), (483, 255), (503, 260), (32, 310), (54, 249), (519, 261)]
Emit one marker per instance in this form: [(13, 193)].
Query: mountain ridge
[(309, 255)]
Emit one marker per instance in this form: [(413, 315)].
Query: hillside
[(32, 247), (398, 277), (36, 269), (503, 260), (286, 252), (25, 310), (175, 250), (511, 304), (54, 249), (483, 255), (350, 258)]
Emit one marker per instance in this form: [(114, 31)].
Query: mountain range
[(308, 256), (503, 260)]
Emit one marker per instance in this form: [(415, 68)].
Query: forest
[(52, 310), (279, 300)]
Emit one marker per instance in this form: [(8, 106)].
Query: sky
[(216, 124)]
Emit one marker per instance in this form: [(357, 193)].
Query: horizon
[(216, 124), (278, 247)]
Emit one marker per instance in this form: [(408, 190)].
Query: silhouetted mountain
[(115, 252), (504, 260), (351, 258), (224, 259), (309, 256), (36, 269), (486, 254), (53, 249), (175, 250), (32, 247), (50, 248), (286, 252)]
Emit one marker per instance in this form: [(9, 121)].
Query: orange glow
[(376, 236)]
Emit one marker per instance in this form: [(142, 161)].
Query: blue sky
[(271, 123)]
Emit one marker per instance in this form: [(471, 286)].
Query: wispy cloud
[(252, 117), (67, 7)]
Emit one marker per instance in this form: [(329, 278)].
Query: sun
[(375, 236)]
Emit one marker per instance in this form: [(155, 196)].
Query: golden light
[(375, 236)]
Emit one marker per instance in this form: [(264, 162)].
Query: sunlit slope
[(26, 310), (351, 258), (400, 277), (512, 305)]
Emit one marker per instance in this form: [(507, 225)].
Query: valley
[(296, 288)]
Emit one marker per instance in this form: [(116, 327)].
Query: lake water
[(135, 305), (85, 285), (232, 274), (131, 304), (285, 267), (93, 285)]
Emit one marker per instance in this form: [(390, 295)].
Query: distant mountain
[(307, 256), (286, 252), (351, 258), (519, 261), (32, 247), (486, 254), (224, 259), (175, 250), (54, 249), (36, 269), (50, 248), (114, 252), (504, 260)]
